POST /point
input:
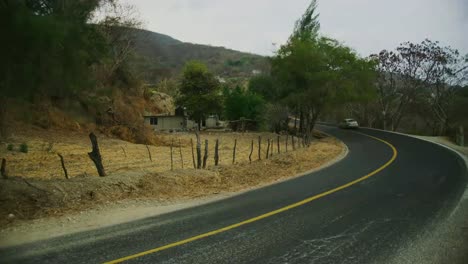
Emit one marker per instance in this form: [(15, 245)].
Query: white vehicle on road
[(349, 123)]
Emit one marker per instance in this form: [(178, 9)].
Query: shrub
[(24, 148), (10, 147)]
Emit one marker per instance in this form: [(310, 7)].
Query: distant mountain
[(160, 56)]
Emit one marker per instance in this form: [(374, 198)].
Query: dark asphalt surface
[(365, 223)]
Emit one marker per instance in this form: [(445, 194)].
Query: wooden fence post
[(149, 153), (193, 154), (63, 165), (251, 151), (172, 160), (287, 139), (199, 160), (216, 154), (259, 147), (95, 155), (125, 153), (234, 152), (278, 144), (181, 157), (268, 149), (3, 169), (293, 145), (205, 157)]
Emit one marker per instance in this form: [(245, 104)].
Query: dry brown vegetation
[(37, 187)]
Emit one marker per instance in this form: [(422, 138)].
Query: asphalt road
[(364, 221)]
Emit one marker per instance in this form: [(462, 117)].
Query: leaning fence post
[(251, 151), (63, 166), (205, 157), (180, 151), (193, 154), (234, 152), (149, 153)]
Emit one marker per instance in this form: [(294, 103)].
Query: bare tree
[(420, 76), (388, 84)]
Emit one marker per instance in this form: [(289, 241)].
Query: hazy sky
[(368, 26)]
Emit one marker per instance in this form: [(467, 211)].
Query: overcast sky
[(368, 26)]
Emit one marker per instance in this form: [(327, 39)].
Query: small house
[(166, 122)]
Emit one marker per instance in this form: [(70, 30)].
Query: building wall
[(167, 122)]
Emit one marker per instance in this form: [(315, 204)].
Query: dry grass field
[(37, 188), (42, 160)]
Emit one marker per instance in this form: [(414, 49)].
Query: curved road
[(359, 210)]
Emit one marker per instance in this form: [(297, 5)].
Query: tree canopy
[(200, 92), (317, 73), (243, 104)]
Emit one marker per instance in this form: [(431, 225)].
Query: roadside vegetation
[(71, 68)]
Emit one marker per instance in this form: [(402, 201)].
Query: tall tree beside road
[(200, 92), (308, 25), (318, 73), (422, 76)]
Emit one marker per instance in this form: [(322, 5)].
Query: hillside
[(160, 56)]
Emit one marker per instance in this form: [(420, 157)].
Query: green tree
[(264, 86), (56, 48), (319, 73), (243, 104), (200, 92), (308, 25)]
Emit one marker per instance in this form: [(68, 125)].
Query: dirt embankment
[(45, 192)]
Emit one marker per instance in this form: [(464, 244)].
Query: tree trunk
[(301, 121), (95, 155), (287, 139), (278, 144)]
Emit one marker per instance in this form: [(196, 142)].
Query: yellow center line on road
[(263, 216)]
